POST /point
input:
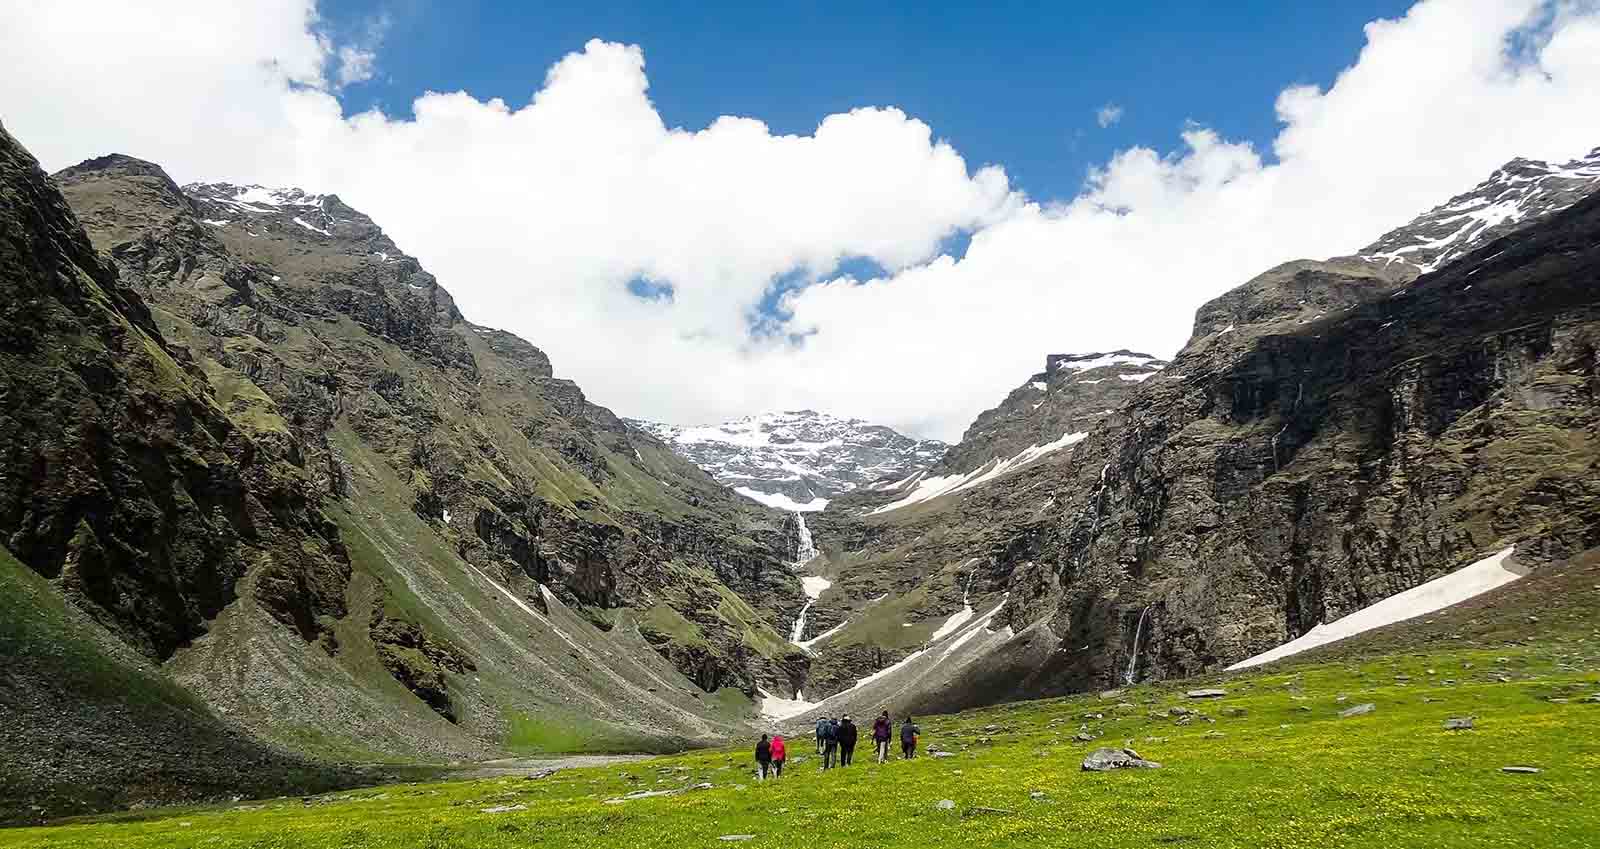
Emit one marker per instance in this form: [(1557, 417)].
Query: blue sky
[(1015, 84), (685, 277)]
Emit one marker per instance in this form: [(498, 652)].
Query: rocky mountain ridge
[(797, 460), (331, 510), (1334, 433), (1519, 192), (1244, 493)]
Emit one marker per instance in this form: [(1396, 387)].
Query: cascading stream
[(1133, 660), (805, 552)]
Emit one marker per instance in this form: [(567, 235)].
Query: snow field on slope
[(958, 635), (935, 487), (780, 501), (1437, 594)]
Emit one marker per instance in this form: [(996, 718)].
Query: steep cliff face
[(345, 517), (1333, 433), (1289, 472), (128, 492)]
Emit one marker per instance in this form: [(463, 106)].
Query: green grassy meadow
[(1272, 764)]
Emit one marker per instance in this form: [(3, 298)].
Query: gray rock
[(1358, 710), (733, 838), (945, 805), (1106, 759), (1521, 770), (1459, 723), (505, 809), (1037, 796), (1206, 694)]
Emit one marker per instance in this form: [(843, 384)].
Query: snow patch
[(774, 707), (1437, 594), (935, 487), (216, 222), (1106, 360), (781, 501), (1040, 385), (309, 226), (1137, 378)]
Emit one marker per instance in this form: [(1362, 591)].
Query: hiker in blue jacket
[(908, 739), (830, 742)]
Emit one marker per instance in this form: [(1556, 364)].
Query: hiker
[(821, 725), (830, 742), (847, 741), (908, 739), (882, 730), (779, 755), (764, 756)]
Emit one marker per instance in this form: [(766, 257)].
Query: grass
[(543, 735), (1270, 765)]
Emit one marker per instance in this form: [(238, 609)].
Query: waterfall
[(805, 549), (1133, 661), (799, 629)]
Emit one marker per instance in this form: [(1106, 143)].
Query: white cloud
[(355, 64), (1108, 114), (536, 215)]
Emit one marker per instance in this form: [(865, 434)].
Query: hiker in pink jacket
[(779, 755)]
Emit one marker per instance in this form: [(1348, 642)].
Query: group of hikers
[(836, 743)]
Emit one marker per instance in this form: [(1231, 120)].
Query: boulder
[(1212, 693), (1358, 710), (1107, 759)]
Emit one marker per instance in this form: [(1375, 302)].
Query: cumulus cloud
[(640, 255), (1107, 115)]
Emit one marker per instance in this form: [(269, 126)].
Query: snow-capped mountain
[(797, 460), (1514, 196)]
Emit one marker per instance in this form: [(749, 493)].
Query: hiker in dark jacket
[(908, 739), (821, 724), (847, 741), (830, 742), (764, 756), (882, 731)]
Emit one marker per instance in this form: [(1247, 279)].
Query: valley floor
[(1270, 764)]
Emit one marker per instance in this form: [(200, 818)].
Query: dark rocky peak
[(1084, 362), (1074, 393), (1295, 293), (124, 167), (529, 360), (1513, 197), (322, 219)]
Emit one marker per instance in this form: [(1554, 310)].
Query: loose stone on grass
[(1358, 710), (1459, 723), (1521, 770), (1206, 694), (1106, 759)]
